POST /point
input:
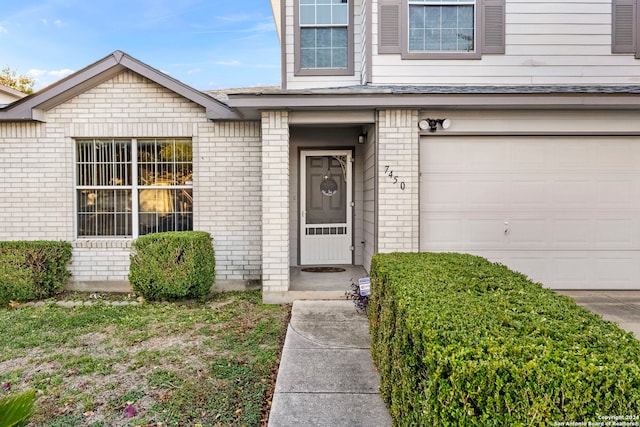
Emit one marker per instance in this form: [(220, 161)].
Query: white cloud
[(194, 71), (36, 73), (233, 62), (58, 22), (47, 77), (235, 18), (3, 30), (60, 73)]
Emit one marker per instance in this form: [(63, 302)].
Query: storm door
[(325, 207)]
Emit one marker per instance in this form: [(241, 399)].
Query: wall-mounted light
[(432, 124), (362, 138)]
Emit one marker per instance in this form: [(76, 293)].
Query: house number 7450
[(396, 179)]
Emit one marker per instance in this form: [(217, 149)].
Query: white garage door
[(564, 211)]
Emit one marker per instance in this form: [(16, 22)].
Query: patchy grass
[(211, 363)]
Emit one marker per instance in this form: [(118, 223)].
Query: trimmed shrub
[(172, 266), (32, 270), (460, 341)]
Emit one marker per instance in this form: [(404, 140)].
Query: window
[(324, 37), (442, 26), (131, 187), (441, 29), (624, 34)]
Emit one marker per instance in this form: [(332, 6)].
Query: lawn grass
[(209, 363)]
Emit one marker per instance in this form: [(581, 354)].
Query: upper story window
[(131, 187), (442, 25), (441, 29), (324, 37)]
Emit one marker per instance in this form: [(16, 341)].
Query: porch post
[(275, 202), (398, 207)]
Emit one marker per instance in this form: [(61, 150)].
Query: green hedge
[(460, 341), (32, 270), (173, 265)]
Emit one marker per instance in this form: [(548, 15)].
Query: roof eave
[(250, 104), (99, 72)]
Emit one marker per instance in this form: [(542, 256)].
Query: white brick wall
[(228, 197), (275, 201), (398, 209), (37, 176)]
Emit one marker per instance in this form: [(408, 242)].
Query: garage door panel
[(616, 193), (443, 193), (442, 233), (529, 157), (445, 156), (615, 232), (586, 270), (570, 270), (569, 155), (491, 155), (527, 232), (617, 269), (484, 233), (614, 155), (571, 232), (571, 193), (487, 193), (516, 231), (534, 265), (564, 211), (529, 194)]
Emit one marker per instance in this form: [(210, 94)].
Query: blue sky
[(207, 44)]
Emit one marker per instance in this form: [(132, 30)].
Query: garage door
[(564, 211)]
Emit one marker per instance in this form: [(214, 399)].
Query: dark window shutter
[(389, 17), (623, 33), (493, 26)]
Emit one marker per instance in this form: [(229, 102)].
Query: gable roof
[(9, 94), (33, 107)]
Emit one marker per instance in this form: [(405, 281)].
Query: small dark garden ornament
[(359, 293)]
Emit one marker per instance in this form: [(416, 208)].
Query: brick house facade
[(525, 150)]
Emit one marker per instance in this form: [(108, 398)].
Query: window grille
[(127, 188)]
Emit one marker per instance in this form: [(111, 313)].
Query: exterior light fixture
[(432, 124), (362, 138)]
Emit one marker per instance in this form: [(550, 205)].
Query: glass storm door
[(325, 207)]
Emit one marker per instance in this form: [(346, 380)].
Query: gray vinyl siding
[(545, 42)]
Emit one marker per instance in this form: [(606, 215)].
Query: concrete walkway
[(327, 377)]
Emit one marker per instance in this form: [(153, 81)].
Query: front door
[(325, 207)]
